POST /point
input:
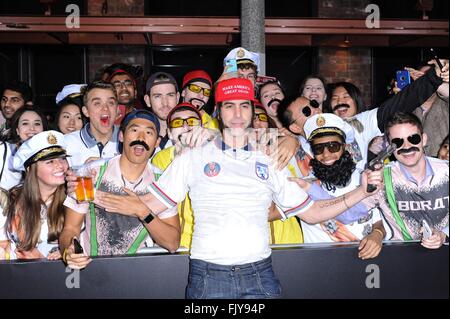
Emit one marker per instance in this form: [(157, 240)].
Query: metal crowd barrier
[(403, 270)]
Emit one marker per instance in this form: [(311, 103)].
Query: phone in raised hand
[(427, 231)]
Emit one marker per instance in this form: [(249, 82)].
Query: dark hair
[(97, 85), (354, 93), (246, 66), (78, 101), (21, 87), (12, 136), (402, 118), (219, 117), (309, 77), (275, 82), (284, 114)]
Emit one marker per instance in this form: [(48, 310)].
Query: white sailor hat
[(71, 90), (242, 55), (42, 146), (328, 124)]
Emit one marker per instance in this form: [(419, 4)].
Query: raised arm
[(410, 98)]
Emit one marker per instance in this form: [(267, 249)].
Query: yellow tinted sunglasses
[(197, 89), (191, 121), (262, 117)]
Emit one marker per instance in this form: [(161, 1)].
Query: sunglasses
[(306, 110), (412, 139), (261, 117), (333, 147), (191, 121), (197, 89)]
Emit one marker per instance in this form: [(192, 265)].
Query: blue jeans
[(249, 281)]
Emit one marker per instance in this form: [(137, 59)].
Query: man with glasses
[(416, 186), (125, 86), (197, 90), (328, 135)]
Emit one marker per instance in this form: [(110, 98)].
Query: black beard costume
[(338, 174)]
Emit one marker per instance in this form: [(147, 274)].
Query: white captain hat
[(242, 55), (327, 124), (42, 146)]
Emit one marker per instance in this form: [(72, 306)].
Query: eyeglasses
[(190, 121), (261, 117), (197, 89), (119, 84), (333, 147), (413, 139)]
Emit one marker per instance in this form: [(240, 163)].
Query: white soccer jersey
[(231, 191)]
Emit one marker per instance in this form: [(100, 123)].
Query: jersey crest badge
[(212, 169), (262, 171)]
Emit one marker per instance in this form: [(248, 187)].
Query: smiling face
[(174, 133), (341, 97), (297, 108), (126, 91), (327, 157), (139, 139), (314, 90), (101, 109), (10, 103), (270, 93), (51, 172), (409, 154), (197, 99), (30, 124), (70, 119)]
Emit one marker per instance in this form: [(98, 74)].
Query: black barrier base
[(401, 271)]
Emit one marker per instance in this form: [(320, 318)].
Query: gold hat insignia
[(51, 139), (320, 121), (240, 54)]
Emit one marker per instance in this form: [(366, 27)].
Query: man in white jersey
[(230, 253)]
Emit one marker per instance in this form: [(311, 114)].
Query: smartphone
[(403, 79), (77, 246), (427, 232), (231, 66), (435, 57)]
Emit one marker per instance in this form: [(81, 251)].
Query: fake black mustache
[(142, 143), (195, 99), (411, 149), (341, 105), (272, 101)]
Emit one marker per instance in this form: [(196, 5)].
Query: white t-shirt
[(231, 191), (81, 145), (10, 177)]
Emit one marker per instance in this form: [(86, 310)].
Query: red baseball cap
[(235, 89), (196, 76)]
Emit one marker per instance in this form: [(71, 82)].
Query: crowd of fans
[(258, 168)]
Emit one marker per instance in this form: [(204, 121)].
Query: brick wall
[(346, 64), (100, 56)]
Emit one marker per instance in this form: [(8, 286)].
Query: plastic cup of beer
[(84, 190)]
